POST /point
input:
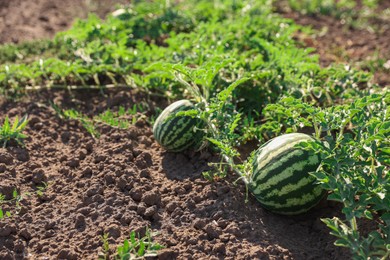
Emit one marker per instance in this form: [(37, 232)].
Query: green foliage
[(137, 247), (355, 164), (236, 39), (122, 118), (13, 133), (16, 199), (105, 254), (327, 7), (85, 121), (10, 207), (358, 14), (41, 189)]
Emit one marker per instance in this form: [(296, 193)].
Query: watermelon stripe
[(296, 206), (286, 175), (276, 147), (172, 129), (168, 125), (186, 127), (181, 147), (306, 188), (291, 190), (278, 164), (162, 129), (278, 171)]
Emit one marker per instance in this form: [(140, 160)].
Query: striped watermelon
[(280, 180), (178, 133)]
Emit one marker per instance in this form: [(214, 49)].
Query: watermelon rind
[(178, 133), (281, 179)]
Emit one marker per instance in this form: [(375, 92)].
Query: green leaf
[(368, 214), (15, 124), (132, 238), (226, 93), (15, 194), (342, 242), (141, 250)]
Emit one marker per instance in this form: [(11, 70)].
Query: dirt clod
[(39, 176), (6, 158)]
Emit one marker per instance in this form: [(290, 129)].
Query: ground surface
[(22, 20), (337, 42), (124, 181)]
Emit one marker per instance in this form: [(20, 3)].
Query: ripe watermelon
[(280, 180), (178, 133)]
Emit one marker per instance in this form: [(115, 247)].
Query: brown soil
[(336, 42), (22, 20), (124, 181)]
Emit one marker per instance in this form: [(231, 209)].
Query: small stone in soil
[(212, 231), (151, 198), (39, 176), (113, 231), (136, 194), (150, 211)]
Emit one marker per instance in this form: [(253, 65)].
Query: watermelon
[(280, 179), (178, 133)]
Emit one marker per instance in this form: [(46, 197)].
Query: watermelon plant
[(176, 132), (355, 165)]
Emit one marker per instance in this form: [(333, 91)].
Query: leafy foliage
[(355, 164), (13, 133), (357, 14), (136, 247), (122, 118)]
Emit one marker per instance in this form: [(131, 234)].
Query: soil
[(337, 42), (22, 20), (124, 181)]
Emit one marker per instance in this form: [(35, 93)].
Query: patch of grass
[(122, 118), (375, 63), (357, 14), (85, 121), (105, 254), (41, 189), (136, 247), (16, 198), (15, 202), (14, 132)]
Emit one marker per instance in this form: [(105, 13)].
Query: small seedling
[(138, 248), (41, 189), (16, 198), (105, 254), (13, 133)]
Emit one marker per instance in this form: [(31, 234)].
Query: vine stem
[(214, 130)]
